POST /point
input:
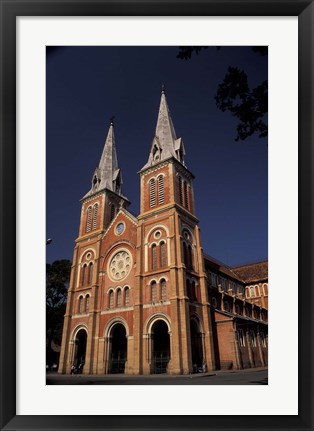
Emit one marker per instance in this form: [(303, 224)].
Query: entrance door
[(118, 356), (80, 350), (160, 347), (196, 347)]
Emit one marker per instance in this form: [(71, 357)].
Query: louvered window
[(87, 303), (161, 196), (152, 193), (111, 298), (163, 254), (90, 273), (154, 257), (163, 286), (84, 274), (95, 216), (154, 291), (119, 298), (80, 308), (89, 219), (126, 296)]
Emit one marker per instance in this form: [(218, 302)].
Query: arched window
[(126, 296), (193, 291), (185, 254), (152, 192), (237, 309), (265, 289), (89, 219), (154, 257), (154, 290), (252, 291), (90, 273), (248, 312), (163, 254), (87, 303), (163, 286), (84, 274), (112, 212), (95, 216), (262, 339), (226, 306), (80, 305), (180, 191), (161, 196), (111, 299), (119, 298), (190, 257), (188, 288)]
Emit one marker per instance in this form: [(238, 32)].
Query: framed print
[(29, 31)]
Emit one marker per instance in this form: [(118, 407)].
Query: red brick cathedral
[(143, 297)]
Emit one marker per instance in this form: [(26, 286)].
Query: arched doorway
[(80, 350), (160, 347), (196, 346), (118, 350)]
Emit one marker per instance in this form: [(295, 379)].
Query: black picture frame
[(9, 11)]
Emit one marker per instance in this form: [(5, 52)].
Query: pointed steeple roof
[(107, 174), (165, 142)]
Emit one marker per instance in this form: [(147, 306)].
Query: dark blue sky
[(87, 85)]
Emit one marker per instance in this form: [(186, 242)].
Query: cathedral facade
[(143, 297)]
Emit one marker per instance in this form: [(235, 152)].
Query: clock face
[(120, 228), (120, 265)]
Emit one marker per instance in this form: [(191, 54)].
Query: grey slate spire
[(107, 174), (165, 142)]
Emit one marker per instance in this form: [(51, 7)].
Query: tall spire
[(107, 174), (165, 142)]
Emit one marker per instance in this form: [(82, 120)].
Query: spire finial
[(162, 88), (111, 120)]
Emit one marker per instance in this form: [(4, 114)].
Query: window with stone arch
[(152, 192), (95, 214), (89, 219), (80, 304), (119, 298), (126, 296), (163, 287), (87, 300), (154, 257), (194, 296), (153, 287), (163, 254), (84, 271), (90, 273), (188, 253), (111, 299), (190, 257), (188, 289), (227, 306), (161, 194)]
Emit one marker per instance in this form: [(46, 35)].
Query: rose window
[(120, 265)]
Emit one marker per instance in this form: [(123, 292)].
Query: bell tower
[(103, 200), (99, 207), (171, 252)]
